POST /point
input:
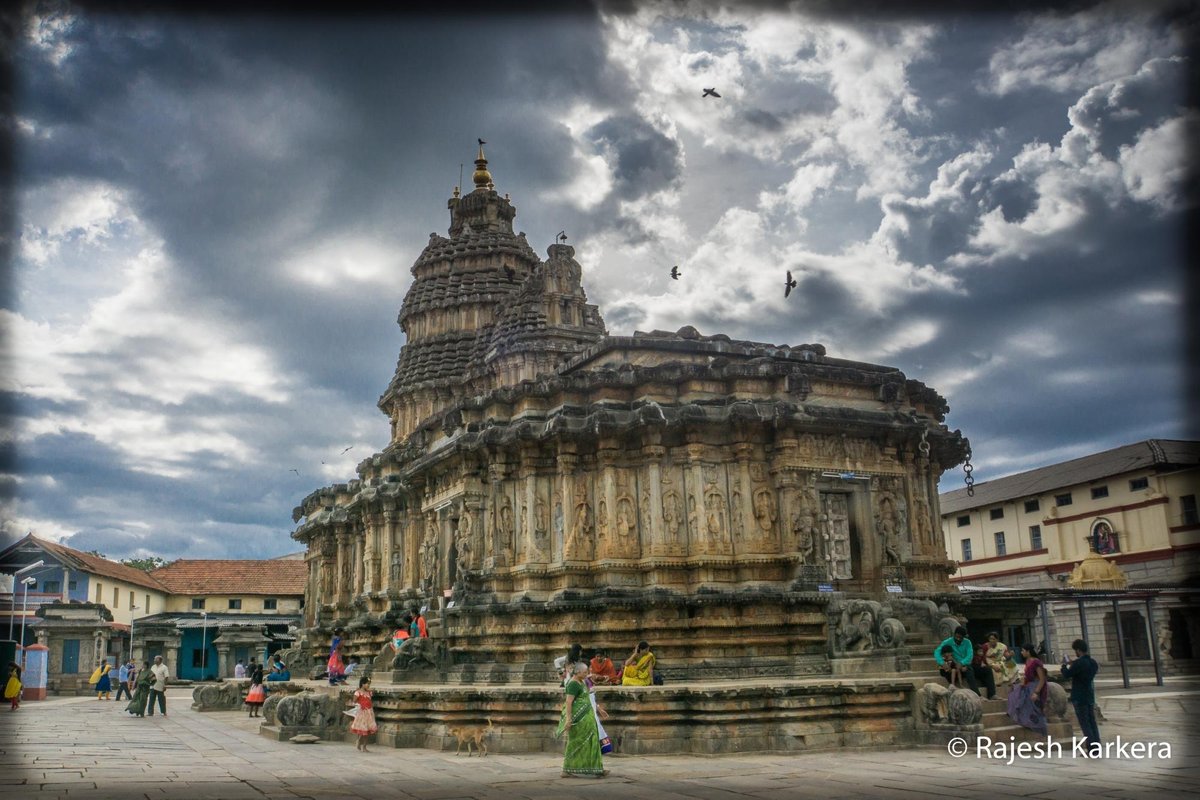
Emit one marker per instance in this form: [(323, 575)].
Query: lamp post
[(132, 620), (17, 574), (203, 643), (24, 600)]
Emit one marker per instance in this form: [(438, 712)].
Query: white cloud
[(802, 189), (1071, 53), (1155, 166), (343, 261)]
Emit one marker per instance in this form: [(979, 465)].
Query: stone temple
[(752, 510)]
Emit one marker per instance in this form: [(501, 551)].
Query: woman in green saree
[(145, 678), (581, 758)]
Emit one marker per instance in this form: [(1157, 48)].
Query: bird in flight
[(482, 142), (296, 471), (789, 284), (348, 449), (710, 93), (675, 273)]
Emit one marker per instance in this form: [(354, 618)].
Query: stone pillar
[(568, 461), (526, 512), (494, 551), (693, 484), (224, 663), (344, 578), (606, 499), (754, 536), (372, 523), (654, 538), (389, 577)]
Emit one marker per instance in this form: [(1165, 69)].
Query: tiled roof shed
[(229, 576)]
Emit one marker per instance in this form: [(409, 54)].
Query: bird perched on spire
[(789, 284), (481, 142), (710, 93), (675, 273), (561, 237)]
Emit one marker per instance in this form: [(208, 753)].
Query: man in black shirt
[(1082, 671)]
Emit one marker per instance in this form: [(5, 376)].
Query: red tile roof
[(266, 577), (96, 565)]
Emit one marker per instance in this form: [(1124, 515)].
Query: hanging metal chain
[(967, 477), (923, 447)]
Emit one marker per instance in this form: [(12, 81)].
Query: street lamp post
[(17, 574), (132, 620), (203, 643), (24, 600)]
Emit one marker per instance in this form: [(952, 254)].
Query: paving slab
[(70, 748)]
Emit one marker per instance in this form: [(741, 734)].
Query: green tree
[(145, 564)]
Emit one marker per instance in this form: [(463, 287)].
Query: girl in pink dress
[(364, 721)]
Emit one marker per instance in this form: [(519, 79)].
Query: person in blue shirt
[(1082, 671), (123, 681), (955, 663)]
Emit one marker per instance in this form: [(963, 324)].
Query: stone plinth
[(700, 718)]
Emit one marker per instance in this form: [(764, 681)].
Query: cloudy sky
[(215, 220)]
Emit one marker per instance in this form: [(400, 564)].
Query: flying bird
[(675, 273), (789, 284), (710, 93), (482, 142), (296, 471), (348, 449)]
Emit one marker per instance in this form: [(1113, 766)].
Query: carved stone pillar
[(693, 480), (747, 521), (344, 578), (568, 462), (606, 501), (496, 550), (653, 533), (390, 567)]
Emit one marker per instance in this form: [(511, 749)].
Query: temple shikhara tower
[(751, 509)]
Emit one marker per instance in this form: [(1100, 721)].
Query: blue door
[(70, 662)]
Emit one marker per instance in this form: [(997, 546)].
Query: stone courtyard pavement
[(80, 748)]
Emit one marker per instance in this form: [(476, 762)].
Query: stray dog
[(471, 736)]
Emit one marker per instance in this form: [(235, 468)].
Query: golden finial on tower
[(482, 178)]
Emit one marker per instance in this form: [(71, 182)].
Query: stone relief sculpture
[(804, 532), (672, 510), (626, 527), (541, 530), (506, 527), (580, 542), (865, 625), (765, 512), (885, 526), (429, 553), (464, 544)]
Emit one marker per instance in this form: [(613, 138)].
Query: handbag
[(351, 712)]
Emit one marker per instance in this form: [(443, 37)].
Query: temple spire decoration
[(482, 178)]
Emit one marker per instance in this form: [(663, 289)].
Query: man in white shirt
[(159, 688), (239, 671)]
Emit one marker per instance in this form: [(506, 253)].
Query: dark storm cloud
[(646, 160)]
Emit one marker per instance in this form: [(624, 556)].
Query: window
[(966, 549), (235, 604), (72, 586), (1062, 499), (1187, 505), (996, 513), (964, 520), (1099, 492), (99, 596), (197, 604), (116, 596), (52, 587), (1137, 484), (1032, 506), (1000, 549), (270, 604), (131, 603), (198, 658), (146, 608), (1035, 537)]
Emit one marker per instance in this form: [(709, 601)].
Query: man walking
[(1082, 671), (159, 688), (123, 682)]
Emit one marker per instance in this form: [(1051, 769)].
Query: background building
[(200, 615), (1123, 519)]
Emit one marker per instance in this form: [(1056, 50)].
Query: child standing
[(364, 721), (257, 694), (12, 689)]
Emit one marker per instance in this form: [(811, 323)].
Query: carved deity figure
[(505, 526), (764, 509), (580, 543), (672, 516), (602, 520), (885, 526), (429, 553), (397, 568), (541, 527), (714, 509), (804, 530), (464, 543)]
